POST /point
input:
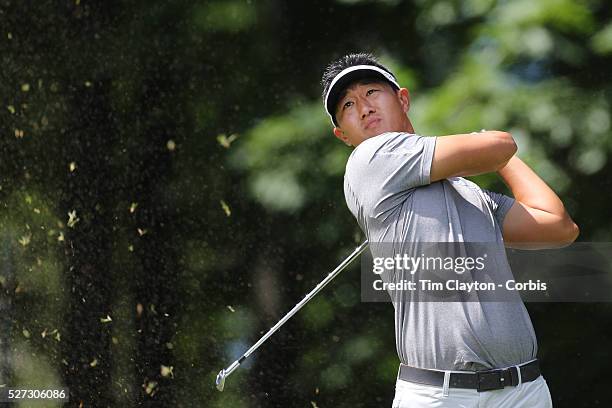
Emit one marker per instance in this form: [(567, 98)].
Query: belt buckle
[(490, 380)]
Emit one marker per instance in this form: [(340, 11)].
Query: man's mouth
[(372, 122)]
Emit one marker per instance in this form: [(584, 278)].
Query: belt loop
[(447, 375), (520, 379)]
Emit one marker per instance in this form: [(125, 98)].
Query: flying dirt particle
[(226, 141), (226, 208), (167, 371), (72, 218), (25, 240), (150, 387)]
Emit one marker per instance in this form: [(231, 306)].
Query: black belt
[(478, 380)]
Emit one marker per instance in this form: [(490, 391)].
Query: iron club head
[(220, 380)]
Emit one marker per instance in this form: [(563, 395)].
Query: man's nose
[(365, 108)]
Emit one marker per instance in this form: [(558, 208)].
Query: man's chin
[(366, 137), (370, 133), (377, 132)]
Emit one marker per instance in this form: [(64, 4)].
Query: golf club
[(223, 374)]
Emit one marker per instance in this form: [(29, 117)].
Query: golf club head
[(220, 380)]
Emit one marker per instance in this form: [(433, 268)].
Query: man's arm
[(537, 219), (471, 154)]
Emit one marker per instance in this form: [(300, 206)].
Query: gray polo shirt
[(387, 188)]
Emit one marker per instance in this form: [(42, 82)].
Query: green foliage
[(230, 16), (288, 157)]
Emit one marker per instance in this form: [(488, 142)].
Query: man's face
[(369, 108)]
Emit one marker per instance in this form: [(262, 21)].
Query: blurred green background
[(170, 187)]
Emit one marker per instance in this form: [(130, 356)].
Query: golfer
[(402, 187)]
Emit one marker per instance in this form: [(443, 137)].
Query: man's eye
[(348, 104), (370, 92)]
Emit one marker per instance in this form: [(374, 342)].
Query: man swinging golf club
[(402, 187)]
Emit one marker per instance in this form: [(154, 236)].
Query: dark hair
[(349, 60)]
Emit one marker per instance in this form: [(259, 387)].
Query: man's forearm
[(528, 188), (471, 154)]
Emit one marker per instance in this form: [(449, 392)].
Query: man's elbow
[(569, 235), (506, 148), (573, 232), (510, 147)]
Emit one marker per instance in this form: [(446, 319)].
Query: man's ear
[(404, 97), (341, 135)]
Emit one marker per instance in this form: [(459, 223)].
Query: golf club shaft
[(297, 307)]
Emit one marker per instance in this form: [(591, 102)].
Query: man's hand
[(471, 154), (538, 219)]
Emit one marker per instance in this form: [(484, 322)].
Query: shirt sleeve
[(383, 170), (499, 204)]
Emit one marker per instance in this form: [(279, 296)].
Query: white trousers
[(532, 394)]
